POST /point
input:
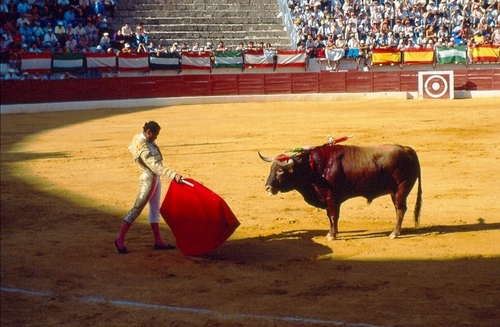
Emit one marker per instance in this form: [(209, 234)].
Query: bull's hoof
[(393, 235), (330, 237)]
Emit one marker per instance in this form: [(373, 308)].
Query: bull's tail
[(418, 203)]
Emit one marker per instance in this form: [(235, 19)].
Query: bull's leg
[(333, 212), (400, 206)]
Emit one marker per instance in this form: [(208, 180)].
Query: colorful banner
[(451, 55), (228, 59), (418, 56), (195, 60), (101, 61), (386, 57), (257, 59), (133, 62), (291, 58), (36, 62), (482, 53), (164, 61), (67, 62), (334, 54)]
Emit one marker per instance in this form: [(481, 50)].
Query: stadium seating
[(193, 21)]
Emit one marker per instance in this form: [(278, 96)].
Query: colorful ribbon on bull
[(331, 141)]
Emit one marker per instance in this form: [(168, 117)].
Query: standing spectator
[(148, 155), (363, 52), (109, 6), (141, 34)]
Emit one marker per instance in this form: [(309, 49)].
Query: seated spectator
[(23, 7), (92, 33), (151, 47), (184, 47), (11, 75), (71, 44), (27, 33), (38, 30), (127, 33), (67, 75), (105, 42), (250, 46), (60, 32), (102, 22), (269, 51), (50, 39), (118, 40), (240, 46), (174, 48), (221, 47), (34, 49), (209, 47), (126, 49), (197, 47), (70, 17), (82, 43), (79, 31)]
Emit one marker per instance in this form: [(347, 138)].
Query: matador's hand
[(178, 178)]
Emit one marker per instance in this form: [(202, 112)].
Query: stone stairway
[(190, 21)]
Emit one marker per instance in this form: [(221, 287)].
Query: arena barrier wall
[(97, 89)]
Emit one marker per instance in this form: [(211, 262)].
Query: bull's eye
[(279, 174)]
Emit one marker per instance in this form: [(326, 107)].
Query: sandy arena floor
[(67, 180)]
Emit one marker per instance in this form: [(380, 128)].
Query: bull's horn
[(265, 158)]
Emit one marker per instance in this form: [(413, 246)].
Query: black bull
[(327, 176)]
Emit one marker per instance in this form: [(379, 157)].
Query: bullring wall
[(70, 90)]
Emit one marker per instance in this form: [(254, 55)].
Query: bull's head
[(280, 178)]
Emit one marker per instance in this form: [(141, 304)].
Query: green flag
[(452, 55), (67, 61), (228, 59)]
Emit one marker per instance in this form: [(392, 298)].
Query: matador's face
[(151, 136)]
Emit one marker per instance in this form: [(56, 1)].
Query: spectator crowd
[(356, 26)]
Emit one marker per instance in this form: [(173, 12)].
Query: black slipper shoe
[(164, 247), (120, 250)]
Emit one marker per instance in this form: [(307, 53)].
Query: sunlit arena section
[(68, 181)]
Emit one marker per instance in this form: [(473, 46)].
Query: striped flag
[(195, 60), (418, 56), (133, 62), (480, 53), (67, 62), (257, 59), (228, 59), (451, 55), (291, 58), (101, 61), (36, 62), (164, 61), (386, 57)]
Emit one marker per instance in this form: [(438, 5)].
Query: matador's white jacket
[(149, 157)]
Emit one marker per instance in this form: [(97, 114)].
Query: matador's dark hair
[(152, 126)]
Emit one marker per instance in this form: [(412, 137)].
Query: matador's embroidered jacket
[(149, 157)]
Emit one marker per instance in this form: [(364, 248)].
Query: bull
[(328, 175)]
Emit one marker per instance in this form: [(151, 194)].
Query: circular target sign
[(436, 85)]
